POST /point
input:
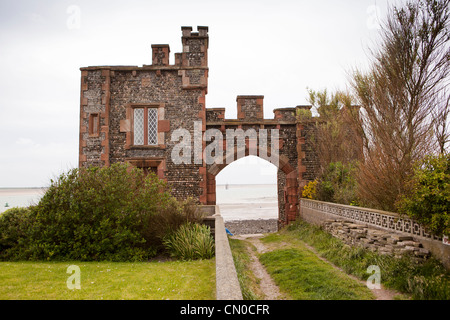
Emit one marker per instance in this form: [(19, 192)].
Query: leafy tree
[(427, 199), (338, 184), (403, 98), (336, 139)]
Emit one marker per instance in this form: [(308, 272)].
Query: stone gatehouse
[(135, 114)]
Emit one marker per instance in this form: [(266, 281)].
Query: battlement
[(202, 31), (195, 47)]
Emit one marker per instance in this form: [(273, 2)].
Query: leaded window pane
[(152, 126), (138, 126)]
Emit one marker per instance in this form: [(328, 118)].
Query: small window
[(145, 123), (94, 124)]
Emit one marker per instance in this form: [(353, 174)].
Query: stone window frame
[(127, 125), (94, 125), (154, 162)]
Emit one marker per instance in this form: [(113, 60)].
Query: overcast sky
[(271, 48)]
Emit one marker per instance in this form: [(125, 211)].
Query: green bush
[(169, 218), (337, 184), (90, 214), (14, 224), (190, 241), (428, 197)]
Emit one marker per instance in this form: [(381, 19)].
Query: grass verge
[(304, 276), (427, 281), (247, 280), (171, 280)]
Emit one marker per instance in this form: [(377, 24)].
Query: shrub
[(169, 218), (190, 241), (89, 214), (310, 190), (427, 199), (14, 224), (337, 184)]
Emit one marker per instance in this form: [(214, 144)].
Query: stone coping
[(227, 283)]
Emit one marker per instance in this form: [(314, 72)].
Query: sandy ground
[(246, 211)]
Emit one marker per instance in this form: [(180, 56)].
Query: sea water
[(19, 197), (247, 202), (236, 202)]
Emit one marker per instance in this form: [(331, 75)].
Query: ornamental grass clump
[(190, 241)]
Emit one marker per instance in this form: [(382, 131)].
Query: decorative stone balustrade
[(383, 231)]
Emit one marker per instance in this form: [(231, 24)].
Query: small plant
[(310, 190), (337, 184), (190, 241)]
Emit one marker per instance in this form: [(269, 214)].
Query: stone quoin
[(132, 114)]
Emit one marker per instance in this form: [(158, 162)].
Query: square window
[(145, 124)]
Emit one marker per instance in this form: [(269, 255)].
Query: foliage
[(428, 197), (426, 281), (93, 213), (304, 114), (310, 190), (247, 280), (14, 224), (403, 98), (190, 241), (169, 218), (336, 139), (337, 184)]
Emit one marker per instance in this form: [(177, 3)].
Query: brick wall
[(110, 94)]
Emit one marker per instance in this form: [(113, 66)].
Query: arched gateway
[(155, 118)]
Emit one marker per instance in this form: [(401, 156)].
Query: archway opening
[(247, 196)]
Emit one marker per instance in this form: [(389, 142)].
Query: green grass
[(173, 280), (299, 273), (426, 281), (247, 281), (305, 277)]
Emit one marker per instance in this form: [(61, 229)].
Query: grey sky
[(270, 48)]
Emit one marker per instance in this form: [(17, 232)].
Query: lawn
[(300, 273), (305, 277), (170, 280)]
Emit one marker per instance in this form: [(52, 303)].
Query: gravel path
[(252, 226), (267, 285)]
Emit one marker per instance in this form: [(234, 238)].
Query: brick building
[(134, 114)]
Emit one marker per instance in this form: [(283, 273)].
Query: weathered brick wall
[(110, 94), (179, 89)]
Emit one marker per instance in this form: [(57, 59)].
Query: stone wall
[(110, 95), (177, 91), (381, 230), (373, 239)]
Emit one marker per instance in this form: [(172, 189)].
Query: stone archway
[(288, 188)]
